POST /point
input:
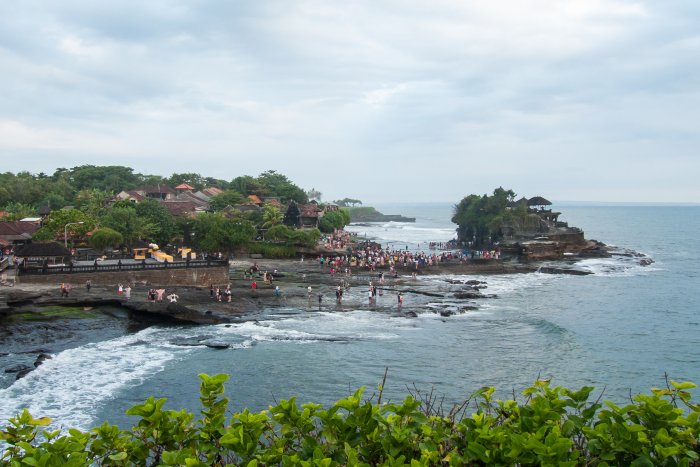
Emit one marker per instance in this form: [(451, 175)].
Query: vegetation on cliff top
[(91, 213), (480, 218), (551, 426)]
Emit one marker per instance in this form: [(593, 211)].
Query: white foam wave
[(70, 387), (315, 327)]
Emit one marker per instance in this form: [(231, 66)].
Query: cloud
[(496, 93)]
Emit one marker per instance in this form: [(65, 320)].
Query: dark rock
[(446, 313), (464, 295), (216, 345), (23, 373), (18, 368), (646, 262), (41, 359), (468, 308), (571, 272), (411, 314)]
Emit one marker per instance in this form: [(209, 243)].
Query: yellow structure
[(183, 253), (155, 253)]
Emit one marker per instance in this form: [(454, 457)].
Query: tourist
[(320, 297), (120, 289), (278, 292), (228, 294), (211, 288), (400, 299), (173, 297), (159, 294), (127, 292), (308, 292), (64, 290), (88, 285)]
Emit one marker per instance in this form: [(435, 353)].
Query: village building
[(17, 232), (42, 253)]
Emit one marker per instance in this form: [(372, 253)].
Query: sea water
[(620, 329)]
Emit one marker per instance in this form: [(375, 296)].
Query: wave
[(70, 387)]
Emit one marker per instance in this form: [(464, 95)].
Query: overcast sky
[(378, 100)]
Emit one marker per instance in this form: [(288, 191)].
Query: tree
[(271, 216), (57, 223), (314, 194), (333, 220), (125, 221), (213, 232), (347, 202), (247, 185), (227, 198), (17, 211), (156, 214), (93, 201), (280, 186), (481, 217), (105, 237)]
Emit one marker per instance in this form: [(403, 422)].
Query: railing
[(119, 267)]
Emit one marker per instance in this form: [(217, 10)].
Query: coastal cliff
[(370, 214)]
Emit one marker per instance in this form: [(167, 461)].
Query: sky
[(382, 101)]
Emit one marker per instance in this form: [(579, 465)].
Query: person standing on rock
[(400, 299), (120, 289), (88, 285), (308, 292), (320, 298), (127, 292)]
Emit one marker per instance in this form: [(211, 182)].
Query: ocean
[(620, 329)]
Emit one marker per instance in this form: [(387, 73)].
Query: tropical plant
[(551, 426), (271, 216), (105, 237)]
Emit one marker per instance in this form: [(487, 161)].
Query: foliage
[(247, 185), (18, 211), (292, 236), (345, 202), (196, 181), (271, 216), (213, 232), (93, 201), (552, 426), (154, 213), (280, 186), (272, 250), (314, 194), (227, 198), (334, 220), (127, 222), (481, 217), (57, 223), (105, 237)]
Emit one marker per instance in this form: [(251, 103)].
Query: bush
[(552, 426)]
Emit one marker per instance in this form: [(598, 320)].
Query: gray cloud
[(373, 100)]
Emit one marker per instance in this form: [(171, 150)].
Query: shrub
[(552, 426)]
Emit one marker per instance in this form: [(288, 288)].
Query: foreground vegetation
[(551, 426)]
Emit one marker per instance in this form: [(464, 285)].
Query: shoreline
[(195, 305)]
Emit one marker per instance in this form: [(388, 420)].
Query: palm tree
[(271, 216)]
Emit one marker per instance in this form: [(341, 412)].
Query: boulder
[(41, 358), (18, 368)]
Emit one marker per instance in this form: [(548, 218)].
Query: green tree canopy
[(213, 232), (154, 213), (127, 222), (481, 217), (227, 198), (105, 237)]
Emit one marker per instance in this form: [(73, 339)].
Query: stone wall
[(218, 275)]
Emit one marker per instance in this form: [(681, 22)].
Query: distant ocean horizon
[(620, 329)]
